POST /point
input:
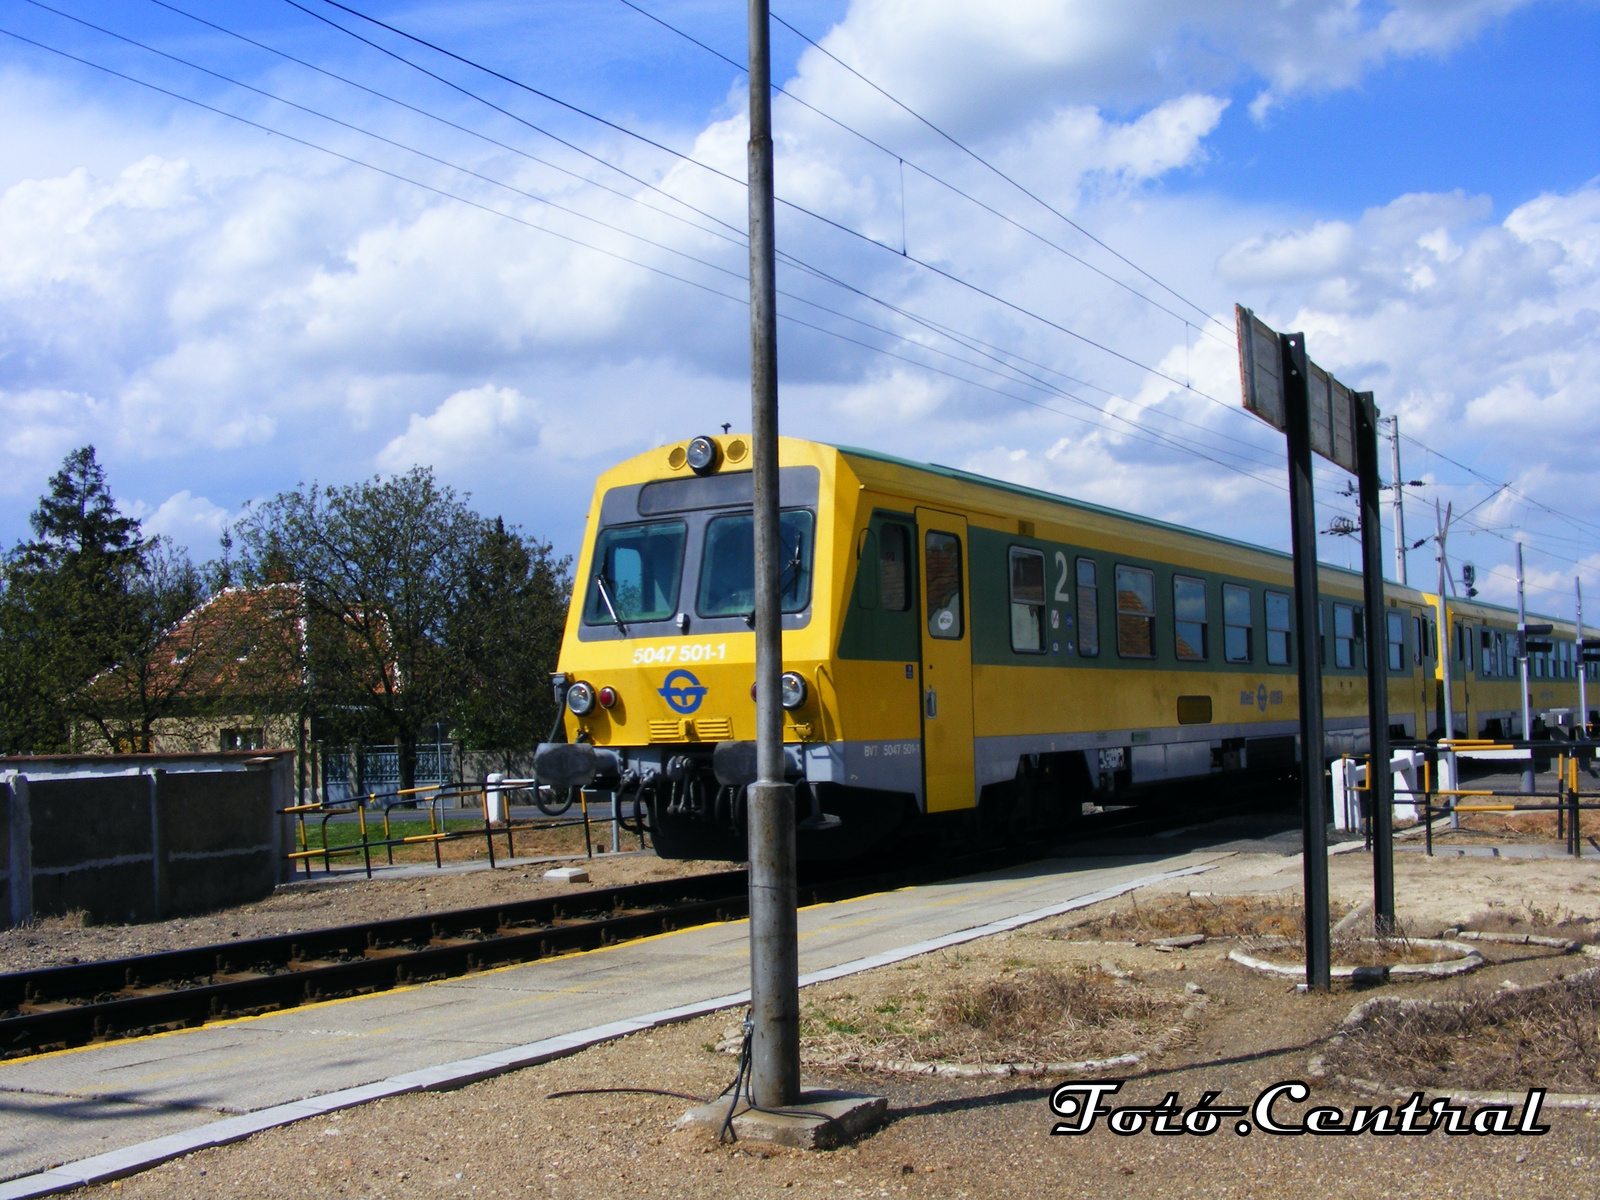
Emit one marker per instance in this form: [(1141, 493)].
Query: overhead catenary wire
[(1577, 522), (470, 132), (978, 158), (1020, 376), (1152, 437), (904, 162), (1137, 433), (433, 158), (733, 179), (1143, 433), (1159, 439), (967, 341)]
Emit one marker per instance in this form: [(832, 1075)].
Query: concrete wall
[(128, 838)]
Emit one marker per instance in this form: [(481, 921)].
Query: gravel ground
[(296, 907), (513, 1136)]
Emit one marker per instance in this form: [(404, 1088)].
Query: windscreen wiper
[(605, 595), (794, 564)]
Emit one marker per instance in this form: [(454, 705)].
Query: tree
[(84, 606), (382, 566), (507, 633)]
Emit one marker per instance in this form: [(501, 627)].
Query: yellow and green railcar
[(1485, 688), (961, 655)]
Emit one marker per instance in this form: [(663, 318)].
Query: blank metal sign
[(1331, 402)]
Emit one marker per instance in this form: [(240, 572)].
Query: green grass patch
[(348, 833)]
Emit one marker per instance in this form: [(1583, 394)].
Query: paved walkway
[(71, 1105)]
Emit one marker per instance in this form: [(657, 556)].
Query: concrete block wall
[(139, 837)]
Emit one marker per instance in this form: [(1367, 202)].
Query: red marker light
[(607, 697)]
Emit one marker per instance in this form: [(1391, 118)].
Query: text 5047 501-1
[(682, 652)]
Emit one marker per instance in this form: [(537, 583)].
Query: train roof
[(1151, 522), (1087, 506)]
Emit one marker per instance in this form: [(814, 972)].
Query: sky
[(254, 244)]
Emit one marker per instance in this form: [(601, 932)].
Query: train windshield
[(635, 574), (727, 568)]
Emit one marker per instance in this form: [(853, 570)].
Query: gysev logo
[(682, 692)]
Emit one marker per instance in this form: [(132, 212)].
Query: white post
[(1447, 759), (1522, 674), (1583, 667)]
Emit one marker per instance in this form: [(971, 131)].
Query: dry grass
[(1014, 1014), (1545, 1037), (1221, 916), (1529, 918)]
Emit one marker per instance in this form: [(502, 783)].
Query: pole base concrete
[(823, 1118)]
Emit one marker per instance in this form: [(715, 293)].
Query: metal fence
[(359, 770)]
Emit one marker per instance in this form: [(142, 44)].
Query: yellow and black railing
[(430, 799)]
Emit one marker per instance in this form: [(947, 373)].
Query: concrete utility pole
[(774, 937), (1397, 502)]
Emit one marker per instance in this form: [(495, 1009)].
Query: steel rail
[(67, 1006)]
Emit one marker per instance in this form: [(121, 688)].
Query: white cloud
[(979, 67), (477, 429), (190, 520), (1283, 258), (241, 315), (1484, 337)]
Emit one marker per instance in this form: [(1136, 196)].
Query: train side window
[(1027, 600), (941, 553), (1088, 608), (1487, 666), (1136, 608), (1395, 625), (1277, 629), (1238, 627), (894, 567), (1418, 641), (1344, 635), (1189, 624)]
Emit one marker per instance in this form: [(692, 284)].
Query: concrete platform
[(63, 1107)]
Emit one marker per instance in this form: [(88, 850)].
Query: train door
[(947, 731), (1421, 671)]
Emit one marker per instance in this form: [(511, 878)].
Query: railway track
[(61, 1007)]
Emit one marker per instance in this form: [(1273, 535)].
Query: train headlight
[(703, 455), (607, 697), (793, 690), (580, 698)]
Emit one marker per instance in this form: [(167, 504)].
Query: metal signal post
[(1380, 782), (774, 936), (1303, 531)]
